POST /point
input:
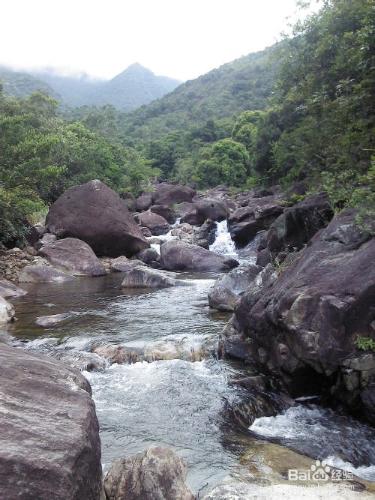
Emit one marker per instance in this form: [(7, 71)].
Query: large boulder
[(245, 222), (144, 277), (156, 474), (8, 290), (167, 212), (169, 194), (6, 311), (206, 208), (305, 324), (143, 202), (298, 224), (73, 256), (41, 273), (155, 223), (227, 290), (49, 433), (181, 256), (92, 212)]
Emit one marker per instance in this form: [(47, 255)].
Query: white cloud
[(178, 38)]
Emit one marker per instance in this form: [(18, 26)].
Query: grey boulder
[(94, 213), (49, 433), (73, 256), (156, 474), (181, 256), (228, 289), (144, 277)]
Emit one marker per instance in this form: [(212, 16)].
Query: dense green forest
[(301, 110)]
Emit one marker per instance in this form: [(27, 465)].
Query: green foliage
[(365, 343), (41, 156), (325, 94), (225, 161)]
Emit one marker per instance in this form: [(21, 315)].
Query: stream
[(179, 401)]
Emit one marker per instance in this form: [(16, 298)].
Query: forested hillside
[(303, 110)]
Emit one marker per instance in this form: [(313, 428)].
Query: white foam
[(223, 244), (365, 472)]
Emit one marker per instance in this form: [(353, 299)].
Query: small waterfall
[(223, 243)]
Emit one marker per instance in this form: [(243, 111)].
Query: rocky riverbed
[(142, 307)]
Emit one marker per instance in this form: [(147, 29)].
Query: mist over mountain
[(132, 88)]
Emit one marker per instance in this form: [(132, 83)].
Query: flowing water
[(180, 400)]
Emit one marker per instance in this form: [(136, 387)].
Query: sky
[(178, 38)]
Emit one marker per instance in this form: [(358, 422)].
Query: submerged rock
[(122, 264), (8, 290), (40, 273), (95, 214), (7, 312), (226, 292), (49, 433), (156, 474), (143, 277), (54, 319), (74, 256), (181, 256)]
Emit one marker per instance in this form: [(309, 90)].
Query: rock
[(298, 224), (122, 264), (264, 257), (184, 232), (7, 313), (47, 239), (184, 208), (143, 277), (40, 273), (166, 212), (8, 290), (206, 208), (169, 194), (307, 321), (143, 202), (49, 433), (95, 214), (130, 201), (181, 256), (206, 234), (74, 256), (146, 232), (82, 360), (156, 474), (154, 222), (245, 222), (50, 321), (150, 257), (226, 292), (118, 354), (368, 403)]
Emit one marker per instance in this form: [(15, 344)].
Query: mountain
[(20, 84), (243, 84), (133, 87), (130, 89)]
